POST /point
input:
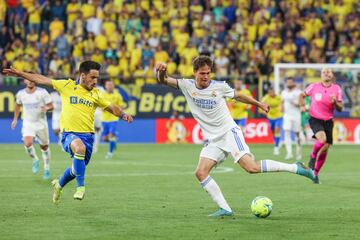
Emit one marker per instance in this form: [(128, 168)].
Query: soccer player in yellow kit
[(239, 110), (274, 116), (109, 121), (79, 100)]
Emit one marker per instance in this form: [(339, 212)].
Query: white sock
[(214, 191), (32, 153), (275, 166), (60, 137), (46, 158), (287, 139)]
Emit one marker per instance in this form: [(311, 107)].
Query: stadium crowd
[(245, 37)]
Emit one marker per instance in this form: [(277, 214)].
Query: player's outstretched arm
[(117, 111), (33, 77), (163, 78), (247, 99)]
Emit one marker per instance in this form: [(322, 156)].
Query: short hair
[(290, 78), (201, 61), (87, 66)]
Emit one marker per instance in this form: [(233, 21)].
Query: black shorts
[(318, 125)]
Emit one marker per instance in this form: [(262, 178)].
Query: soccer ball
[(261, 206)]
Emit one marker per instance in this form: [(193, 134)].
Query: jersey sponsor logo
[(205, 103), (76, 100)]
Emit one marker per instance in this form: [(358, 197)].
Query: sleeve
[(59, 85), (47, 97), (339, 95), (228, 91), (18, 99), (101, 101), (309, 89), (120, 100)]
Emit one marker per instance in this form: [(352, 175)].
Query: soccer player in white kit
[(35, 103), (206, 100), (56, 99), (291, 117)]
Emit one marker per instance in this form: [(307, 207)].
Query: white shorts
[(292, 123), (232, 142), (55, 121), (40, 131)]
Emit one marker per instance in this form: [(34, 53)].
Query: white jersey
[(56, 99), (290, 98), (208, 106), (32, 103)]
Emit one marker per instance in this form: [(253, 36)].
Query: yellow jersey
[(115, 99), (78, 106), (275, 106), (239, 110)]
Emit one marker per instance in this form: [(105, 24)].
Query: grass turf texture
[(150, 192)]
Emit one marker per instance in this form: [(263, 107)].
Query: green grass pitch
[(150, 192)]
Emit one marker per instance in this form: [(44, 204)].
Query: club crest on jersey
[(193, 94), (318, 96), (76, 100), (213, 94)]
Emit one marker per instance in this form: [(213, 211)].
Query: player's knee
[(200, 174), (322, 140), (27, 144), (80, 148), (44, 147)]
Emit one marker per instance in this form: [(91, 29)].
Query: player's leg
[(240, 152), (287, 126), (112, 137), (30, 149), (322, 154), (297, 129), (248, 163), (206, 163), (43, 138)]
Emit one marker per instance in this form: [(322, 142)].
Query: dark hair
[(202, 61), (86, 66), (290, 78)]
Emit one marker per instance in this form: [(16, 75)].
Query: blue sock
[(79, 167), (66, 177), (277, 141), (112, 144)]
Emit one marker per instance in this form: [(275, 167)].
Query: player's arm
[(338, 104), (33, 77), (250, 100), (16, 115), (117, 111), (302, 101), (47, 107), (163, 78)]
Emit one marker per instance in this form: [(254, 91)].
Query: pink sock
[(316, 148), (320, 162)]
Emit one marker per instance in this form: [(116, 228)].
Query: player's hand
[(161, 72), (333, 99), (13, 124), (303, 108), (127, 117), (11, 72), (44, 109), (264, 107)]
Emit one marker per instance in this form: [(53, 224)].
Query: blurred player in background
[(56, 99), (325, 98), (291, 117), (97, 128), (110, 121), (275, 116), (80, 99), (239, 110), (206, 100), (35, 102)]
